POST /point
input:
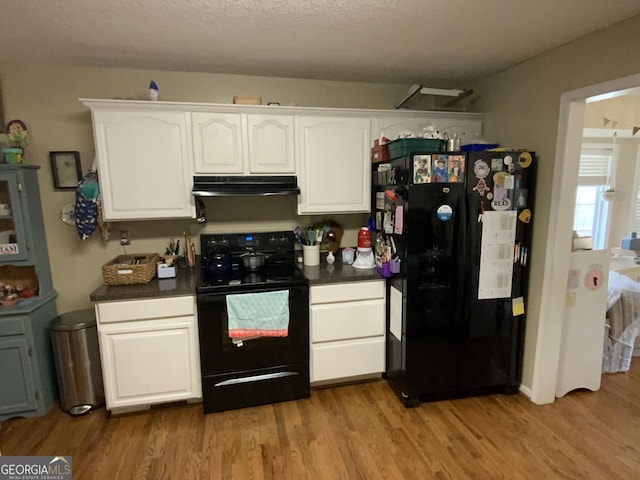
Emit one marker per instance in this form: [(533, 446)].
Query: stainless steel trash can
[(77, 358)]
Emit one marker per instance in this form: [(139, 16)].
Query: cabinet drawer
[(145, 309), (12, 326), (344, 292), (347, 320), (347, 359)]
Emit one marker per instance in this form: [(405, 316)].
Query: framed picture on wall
[(66, 170)]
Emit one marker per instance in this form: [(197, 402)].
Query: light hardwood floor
[(354, 431)]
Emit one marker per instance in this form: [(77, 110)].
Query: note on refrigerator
[(496, 254)]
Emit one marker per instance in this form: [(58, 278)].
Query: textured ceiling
[(429, 42)]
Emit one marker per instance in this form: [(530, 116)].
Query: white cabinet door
[(271, 144), (334, 165), (150, 362), (218, 143), (242, 144), (144, 163), (149, 351)]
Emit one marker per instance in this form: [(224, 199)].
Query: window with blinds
[(591, 212), (594, 167)]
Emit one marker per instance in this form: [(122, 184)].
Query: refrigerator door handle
[(461, 248)]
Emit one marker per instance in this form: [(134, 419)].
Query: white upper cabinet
[(334, 164), (218, 144), (271, 143), (242, 144), (148, 152), (144, 162)]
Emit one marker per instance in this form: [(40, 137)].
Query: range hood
[(222, 186)]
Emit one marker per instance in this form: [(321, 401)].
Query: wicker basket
[(130, 269)]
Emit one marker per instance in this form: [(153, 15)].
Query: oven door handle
[(255, 378)]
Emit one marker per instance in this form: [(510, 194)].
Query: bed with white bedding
[(623, 318)]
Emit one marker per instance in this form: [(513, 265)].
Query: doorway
[(556, 269)]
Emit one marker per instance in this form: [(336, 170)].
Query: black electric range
[(260, 369)]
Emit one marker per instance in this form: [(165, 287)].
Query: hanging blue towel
[(258, 314), (86, 208)]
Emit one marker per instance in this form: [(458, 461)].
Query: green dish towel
[(258, 314)]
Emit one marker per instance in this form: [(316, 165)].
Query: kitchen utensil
[(253, 262), (364, 238), (311, 235), (219, 265)]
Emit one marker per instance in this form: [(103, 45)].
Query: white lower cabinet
[(149, 352), (347, 330)]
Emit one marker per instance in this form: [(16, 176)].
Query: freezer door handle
[(461, 247)]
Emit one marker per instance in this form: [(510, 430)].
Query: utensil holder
[(311, 255)]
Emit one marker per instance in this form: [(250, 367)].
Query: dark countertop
[(337, 273), (185, 282)]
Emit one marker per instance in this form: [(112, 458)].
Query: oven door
[(259, 371), (218, 353)]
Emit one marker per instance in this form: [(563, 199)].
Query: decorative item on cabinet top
[(17, 135)]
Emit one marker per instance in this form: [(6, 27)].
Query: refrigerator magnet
[(511, 165), (525, 159), (498, 178), (517, 306), (481, 169), (509, 182), (525, 216), (444, 213), (456, 168), (501, 203), (521, 198), (421, 168), (440, 173), (496, 164), (399, 223), (481, 187)]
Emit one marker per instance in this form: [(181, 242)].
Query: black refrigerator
[(458, 226)]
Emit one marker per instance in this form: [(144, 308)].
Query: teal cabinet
[(18, 392), (27, 369)]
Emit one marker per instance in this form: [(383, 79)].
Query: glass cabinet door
[(13, 241)]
